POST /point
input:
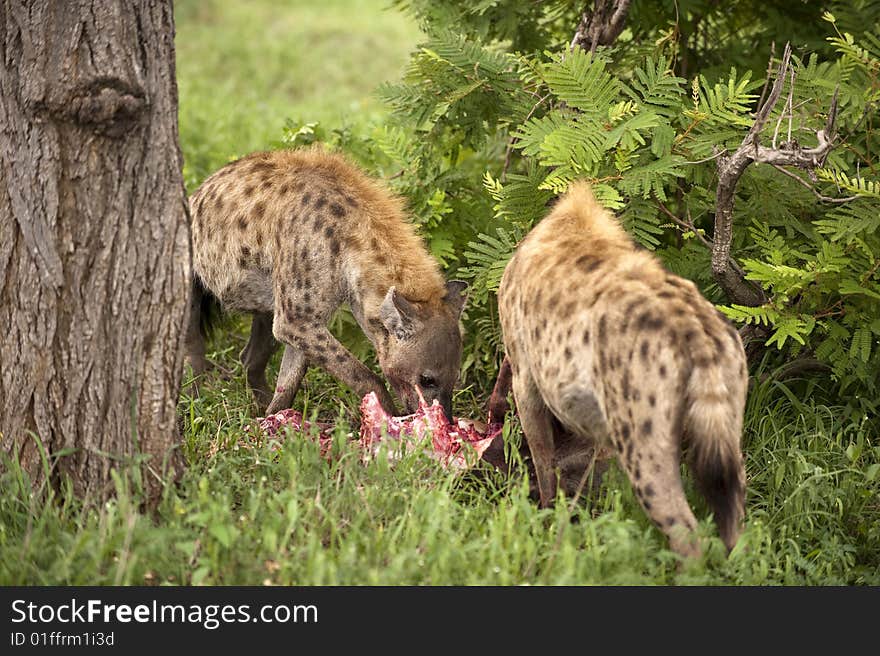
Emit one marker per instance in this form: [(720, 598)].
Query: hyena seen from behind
[(604, 341), (290, 236)]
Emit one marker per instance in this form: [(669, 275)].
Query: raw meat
[(448, 440), (456, 445)]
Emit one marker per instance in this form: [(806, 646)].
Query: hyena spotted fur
[(605, 344), (290, 236)]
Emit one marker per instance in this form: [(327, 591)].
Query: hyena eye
[(427, 381)]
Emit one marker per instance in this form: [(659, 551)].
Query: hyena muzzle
[(605, 344), (291, 235)]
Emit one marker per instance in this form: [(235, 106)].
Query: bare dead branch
[(730, 169), (769, 73), (832, 112), (781, 116), (790, 106), (601, 25), (764, 110), (718, 153)]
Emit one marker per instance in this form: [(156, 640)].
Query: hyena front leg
[(498, 405), (321, 348), (651, 459), (537, 425), (293, 368), (256, 354)]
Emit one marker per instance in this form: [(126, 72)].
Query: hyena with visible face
[(291, 235), (604, 341)]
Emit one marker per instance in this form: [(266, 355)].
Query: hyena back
[(617, 350), (290, 236)]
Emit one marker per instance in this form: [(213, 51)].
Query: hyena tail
[(207, 306), (203, 310), (713, 425)]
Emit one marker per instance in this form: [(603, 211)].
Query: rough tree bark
[(94, 239), (601, 25)]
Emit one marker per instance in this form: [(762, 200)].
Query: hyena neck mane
[(579, 216), (390, 255)]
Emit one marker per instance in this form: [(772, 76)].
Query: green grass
[(248, 513), (280, 513), (244, 68)]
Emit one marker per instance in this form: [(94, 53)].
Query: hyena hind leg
[(256, 354), (653, 467)]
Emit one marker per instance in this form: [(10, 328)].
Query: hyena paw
[(282, 400)]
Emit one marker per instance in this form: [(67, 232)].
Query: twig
[(684, 224), (778, 124), (835, 310), (790, 107), (769, 73), (867, 110), (823, 198), (718, 154), (868, 274), (513, 140), (787, 112)]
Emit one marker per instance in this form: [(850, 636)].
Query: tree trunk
[(94, 240)]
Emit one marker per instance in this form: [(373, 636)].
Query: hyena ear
[(456, 295), (398, 315)]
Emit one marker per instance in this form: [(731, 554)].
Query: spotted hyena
[(606, 345), (291, 235)]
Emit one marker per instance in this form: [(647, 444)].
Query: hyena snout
[(414, 388), (415, 378)]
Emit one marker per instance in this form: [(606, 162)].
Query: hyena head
[(423, 349)]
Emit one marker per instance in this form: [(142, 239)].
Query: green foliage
[(495, 116), (488, 257), (645, 122)]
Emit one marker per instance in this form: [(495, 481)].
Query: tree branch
[(688, 224), (730, 169), (601, 25)]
